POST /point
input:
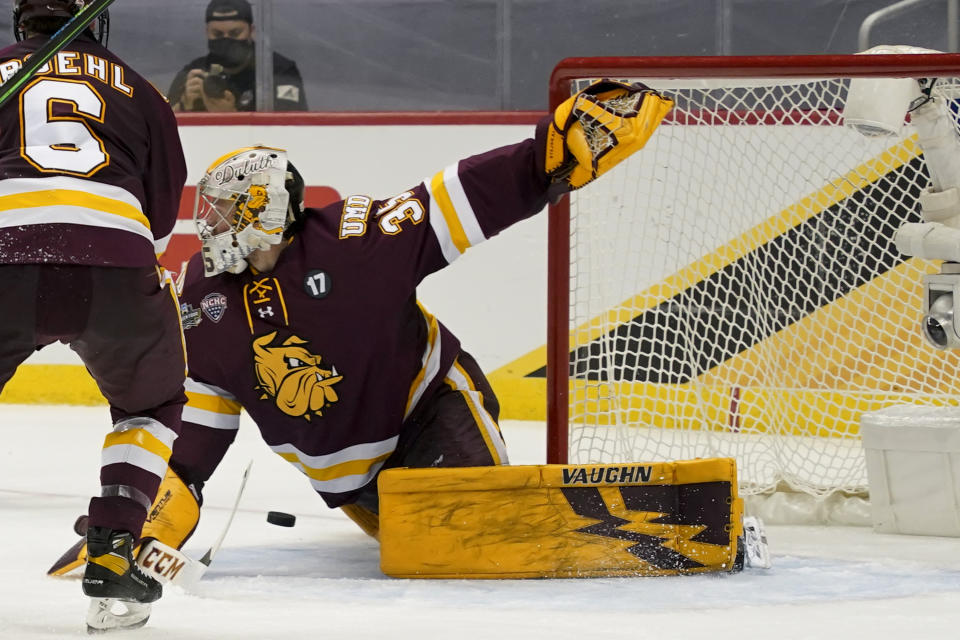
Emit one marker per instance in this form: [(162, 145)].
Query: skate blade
[(111, 614)]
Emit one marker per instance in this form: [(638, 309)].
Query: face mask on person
[(229, 52)]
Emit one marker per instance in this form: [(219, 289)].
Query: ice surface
[(321, 578)]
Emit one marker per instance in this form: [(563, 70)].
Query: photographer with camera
[(225, 79)]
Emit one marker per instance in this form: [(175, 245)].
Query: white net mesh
[(735, 290)]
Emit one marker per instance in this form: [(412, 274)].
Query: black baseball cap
[(230, 10)]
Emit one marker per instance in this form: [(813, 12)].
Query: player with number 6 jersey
[(98, 144), (91, 173)]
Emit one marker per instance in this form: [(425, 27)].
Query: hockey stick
[(208, 556), (167, 564), (64, 36)]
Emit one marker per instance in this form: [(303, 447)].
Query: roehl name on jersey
[(607, 475)]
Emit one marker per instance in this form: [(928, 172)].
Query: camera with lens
[(941, 291), (941, 297), (216, 82)]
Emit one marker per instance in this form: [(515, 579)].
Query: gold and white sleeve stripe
[(147, 446), (429, 362), (458, 379), (160, 244), (210, 406), (452, 219), (341, 471), (66, 200)]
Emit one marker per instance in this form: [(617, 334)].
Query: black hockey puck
[(281, 519)]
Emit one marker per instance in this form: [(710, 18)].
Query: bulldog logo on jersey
[(292, 376)]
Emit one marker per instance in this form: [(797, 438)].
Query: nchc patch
[(662, 518), (214, 305)]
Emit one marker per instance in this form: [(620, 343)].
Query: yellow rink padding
[(52, 384), (560, 521)]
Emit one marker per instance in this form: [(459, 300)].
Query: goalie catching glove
[(597, 128)]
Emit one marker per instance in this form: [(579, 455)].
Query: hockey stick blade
[(64, 36), (169, 565), (212, 551)]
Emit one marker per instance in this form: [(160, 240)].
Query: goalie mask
[(245, 202), (41, 10)]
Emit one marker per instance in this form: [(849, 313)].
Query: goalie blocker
[(561, 520)]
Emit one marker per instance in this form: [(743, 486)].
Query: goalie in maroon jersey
[(91, 172), (308, 318)]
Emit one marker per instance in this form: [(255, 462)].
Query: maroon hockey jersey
[(91, 167), (329, 353)]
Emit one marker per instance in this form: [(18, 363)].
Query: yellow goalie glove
[(599, 127)]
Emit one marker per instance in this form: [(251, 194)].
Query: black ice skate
[(111, 578)]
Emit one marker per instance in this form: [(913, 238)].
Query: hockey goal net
[(733, 289)]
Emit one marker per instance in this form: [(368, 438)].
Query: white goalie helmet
[(242, 205)]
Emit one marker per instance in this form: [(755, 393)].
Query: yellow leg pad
[(560, 520), (171, 520), (174, 514)]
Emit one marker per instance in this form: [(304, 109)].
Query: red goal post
[(732, 289)]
